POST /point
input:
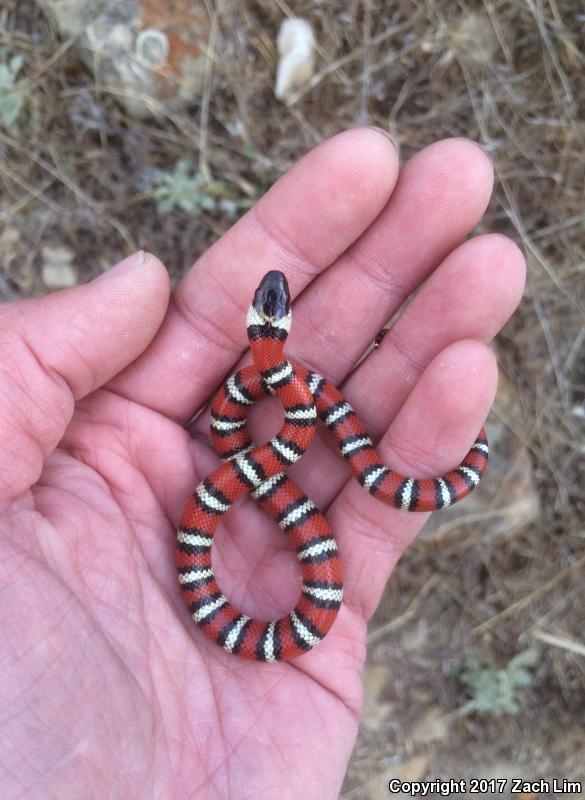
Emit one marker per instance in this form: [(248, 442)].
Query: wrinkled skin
[(107, 688)]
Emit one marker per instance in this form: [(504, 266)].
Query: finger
[(472, 295), (430, 435), (308, 218), (441, 194), (58, 348)]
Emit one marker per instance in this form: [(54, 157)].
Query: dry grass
[(508, 73)]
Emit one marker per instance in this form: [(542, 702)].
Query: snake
[(261, 471)]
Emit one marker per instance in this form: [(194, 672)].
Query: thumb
[(59, 348)]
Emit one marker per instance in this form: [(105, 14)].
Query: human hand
[(107, 688)]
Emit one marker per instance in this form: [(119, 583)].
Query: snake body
[(261, 471)]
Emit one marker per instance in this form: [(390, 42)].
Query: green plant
[(11, 98), (495, 690), (184, 189)]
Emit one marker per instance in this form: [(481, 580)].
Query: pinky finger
[(429, 436)]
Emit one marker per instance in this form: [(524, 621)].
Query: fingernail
[(387, 134), (135, 260)]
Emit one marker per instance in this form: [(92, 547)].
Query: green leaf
[(495, 691), (11, 99)]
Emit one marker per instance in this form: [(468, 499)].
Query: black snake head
[(272, 297)]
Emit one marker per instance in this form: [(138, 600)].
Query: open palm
[(107, 688)]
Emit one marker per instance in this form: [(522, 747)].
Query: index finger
[(306, 220)]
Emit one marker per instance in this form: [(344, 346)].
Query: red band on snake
[(261, 472)]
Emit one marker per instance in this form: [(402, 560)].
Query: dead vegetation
[(77, 172)]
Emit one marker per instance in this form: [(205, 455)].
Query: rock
[(296, 47), (150, 54), (57, 271)]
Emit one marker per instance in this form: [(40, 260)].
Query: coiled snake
[(261, 471)]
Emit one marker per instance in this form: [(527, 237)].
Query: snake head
[(272, 298)]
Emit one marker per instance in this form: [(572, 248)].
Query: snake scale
[(261, 471)]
